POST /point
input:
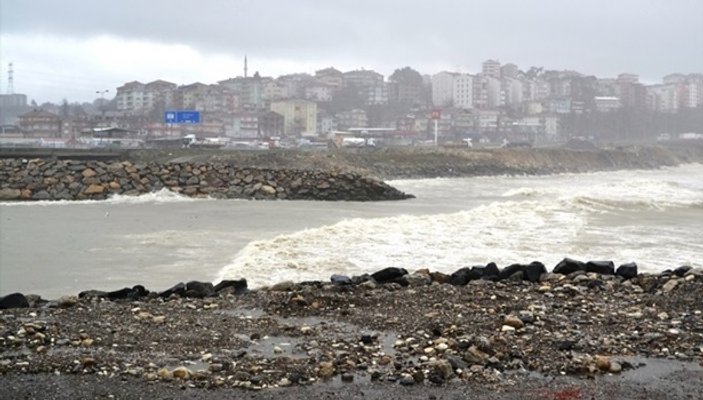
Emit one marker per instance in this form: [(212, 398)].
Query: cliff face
[(38, 179)]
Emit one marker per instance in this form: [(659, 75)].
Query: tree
[(406, 76)]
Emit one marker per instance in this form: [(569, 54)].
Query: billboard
[(182, 117)]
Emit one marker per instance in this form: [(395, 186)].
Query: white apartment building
[(462, 91), (443, 89), (663, 98), (511, 92), (299, 116), (607, 104)]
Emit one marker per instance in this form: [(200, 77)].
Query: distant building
[(362, 78), (352, 119), (319, 92), (486, 91), (607, 104), (509, 71), (663, 98), (443, 89), (491, 68), (300, 116), (463, 91), (40, 124), (331, 77), (11, 107)]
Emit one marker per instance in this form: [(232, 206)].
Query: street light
[(102, 101)]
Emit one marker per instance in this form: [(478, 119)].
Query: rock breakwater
[(39, 179)]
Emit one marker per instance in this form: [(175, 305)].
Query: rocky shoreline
[(40, 179), (480, 327)]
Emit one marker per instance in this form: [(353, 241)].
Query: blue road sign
[(182, 117)]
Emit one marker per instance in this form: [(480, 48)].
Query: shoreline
[(371, 334)]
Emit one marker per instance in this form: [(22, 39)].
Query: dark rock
[(681, 271), (627, 271), (568, 266), (357, 280), (199, 289), (463, 276), (341, 280), (129, 294), (407, 380), (367, 339), (234, 286), (534, 271), (13, 300), (488, 272), (511, 271), (92, 294), (388, 274), (439, 277), (601, 267), (436, 378), (456, 362), (179, 289), (565, 345)]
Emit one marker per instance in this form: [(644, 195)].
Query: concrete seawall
[(39, 179)]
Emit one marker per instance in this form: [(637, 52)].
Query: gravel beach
[(569, 335)]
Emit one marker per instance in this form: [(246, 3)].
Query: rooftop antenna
[(246, 69), (10, 79)]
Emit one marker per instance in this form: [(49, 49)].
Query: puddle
[(655, 369)]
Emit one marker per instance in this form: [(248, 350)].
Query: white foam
[(158, 197)]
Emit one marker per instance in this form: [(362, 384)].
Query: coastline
[(572, 331)]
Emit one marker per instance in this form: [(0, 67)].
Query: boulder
[(10, 194), (179, 289), (94, 189), (681, 271), (439, 277), (389, 274), (488, 272), (234, 286), (534, 271), (13, 300), (358, 280), (199, 289), (601, 267), (340, 280), (511, 271), (129, 294), (627, 271), (463, 276), (568, 266)]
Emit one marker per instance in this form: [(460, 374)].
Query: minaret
[(10, 79), (245, 66)]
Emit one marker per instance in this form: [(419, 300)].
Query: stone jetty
[(43, 179)]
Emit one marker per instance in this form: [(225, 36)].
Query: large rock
[(389, 274), (534, 271), (199, 289), (463, 276), (340, 280), (489, 271), (94, 189), (627, 271), (512, 271), (178, 289), (129, 294), (568, 266), (234, 286), (601, 267), (13, 300), (10, 194)]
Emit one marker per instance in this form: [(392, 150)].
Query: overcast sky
[(73, 48)]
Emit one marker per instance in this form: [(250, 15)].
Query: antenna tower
[(10, 79)]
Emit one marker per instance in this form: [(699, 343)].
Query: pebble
[(603, 363), (513, 321), (670, 285), (507, 328), (326, 370), (615, 367), (182, 373)]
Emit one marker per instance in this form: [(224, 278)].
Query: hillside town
[(499, 105)]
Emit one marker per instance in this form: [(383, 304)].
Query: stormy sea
[(652, 217)]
